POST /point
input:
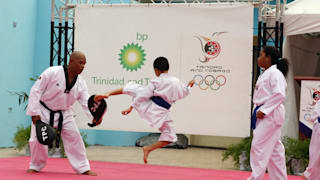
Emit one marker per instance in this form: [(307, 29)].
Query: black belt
[(52, 122), (160, 102)]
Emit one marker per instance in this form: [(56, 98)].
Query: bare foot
[(303, 177), (90, 173), (145, 154), (32, 171)]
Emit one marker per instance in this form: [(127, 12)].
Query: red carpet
[(59, 169)]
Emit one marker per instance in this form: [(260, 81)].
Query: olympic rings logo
[(209, 81)]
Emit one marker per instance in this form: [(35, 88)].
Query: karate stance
[(153, 102), (50, 101)]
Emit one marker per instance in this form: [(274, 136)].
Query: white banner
[(310, 95), (209, 43)]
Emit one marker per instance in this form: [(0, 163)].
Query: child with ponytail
[(267, 151)]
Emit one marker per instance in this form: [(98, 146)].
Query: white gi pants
[(72, 141), (313, 170), (267, 151), (168, 132)]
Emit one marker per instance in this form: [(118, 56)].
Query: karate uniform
[(167, 87), (50, 89), (313, 170), (267, 151)]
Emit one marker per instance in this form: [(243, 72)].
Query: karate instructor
[(50, 101)]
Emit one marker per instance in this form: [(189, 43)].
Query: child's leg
[(264, 139), (168, 135), (148, 149), (277, 165)]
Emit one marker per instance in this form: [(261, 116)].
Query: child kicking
[(153, 102)]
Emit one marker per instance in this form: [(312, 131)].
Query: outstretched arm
[(98, 97), (127, 111), (184, 90), (83, 98)]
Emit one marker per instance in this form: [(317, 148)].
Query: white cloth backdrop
[(219, 34)]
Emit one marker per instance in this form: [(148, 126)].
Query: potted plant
[(21, 138), (240, 153), (297, 154)]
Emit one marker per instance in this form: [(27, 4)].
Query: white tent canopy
[(300, 17)]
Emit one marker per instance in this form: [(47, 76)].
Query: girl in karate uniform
[(267, 151), (153, 102)]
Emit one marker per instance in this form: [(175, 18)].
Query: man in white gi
[(313, 170), (50, 101), (267, 151), (154, 101)]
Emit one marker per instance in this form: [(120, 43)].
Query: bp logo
[(210, 47), (132, 57)]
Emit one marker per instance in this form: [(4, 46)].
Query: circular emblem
[(316, 95), (212, 48)]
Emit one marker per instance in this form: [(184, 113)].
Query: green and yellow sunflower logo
[(132, 57)]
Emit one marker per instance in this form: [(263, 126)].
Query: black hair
[(161, 63), (274, 54)]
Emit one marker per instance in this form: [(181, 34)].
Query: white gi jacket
[(167, 87), (270, 91), (50, 87), (267, 151)]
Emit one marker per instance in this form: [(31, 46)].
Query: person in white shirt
[(267, 150), (153, 102), (313, 170), (50, 101)]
